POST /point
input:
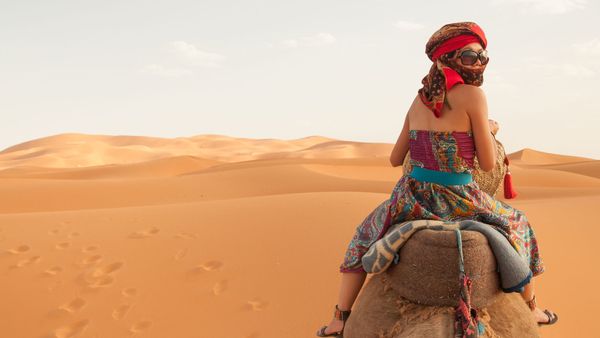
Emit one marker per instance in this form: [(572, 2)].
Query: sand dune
[(588, 168), (81, 150), (215, 236), (162, 167), (531, 156)]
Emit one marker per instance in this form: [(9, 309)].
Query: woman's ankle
[(531, 303), (344, 308)]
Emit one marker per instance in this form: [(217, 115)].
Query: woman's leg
[(350, 286), (528, 291), (367, 232), (527, 294)]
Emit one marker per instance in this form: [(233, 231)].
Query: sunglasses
[(469, 57)]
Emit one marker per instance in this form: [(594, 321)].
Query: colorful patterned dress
[(448, 151)]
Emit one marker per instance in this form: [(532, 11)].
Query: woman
[(445, 128)]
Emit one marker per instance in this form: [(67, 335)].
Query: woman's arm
[(485, 145), (401, 147)]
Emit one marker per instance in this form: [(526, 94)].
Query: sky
[(344, 69)]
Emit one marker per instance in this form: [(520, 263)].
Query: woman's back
[(466, 118), (455, 119)]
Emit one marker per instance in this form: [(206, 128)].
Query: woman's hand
[(494, 126)]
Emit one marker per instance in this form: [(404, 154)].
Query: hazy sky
[(346, 69)]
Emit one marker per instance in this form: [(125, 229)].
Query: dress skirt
[(413, 199)]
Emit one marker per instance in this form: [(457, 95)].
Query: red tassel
[(509, 190)]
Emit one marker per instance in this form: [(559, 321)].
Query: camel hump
[(428, 270)]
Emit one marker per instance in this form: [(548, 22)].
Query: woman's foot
[(544, 317), (334, 326)]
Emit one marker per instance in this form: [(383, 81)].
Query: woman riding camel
[(445, 128)]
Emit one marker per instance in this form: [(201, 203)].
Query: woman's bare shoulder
[(466, 96), (467, 90)]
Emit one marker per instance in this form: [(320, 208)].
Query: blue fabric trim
[(480, 328), (440, 177), (519, 287)]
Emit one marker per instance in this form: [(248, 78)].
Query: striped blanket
[(513, 269)]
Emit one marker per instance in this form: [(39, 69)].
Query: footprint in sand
[(27, 261), (220, 287), (101, 282), (90, 260), (101, 277), (140, 326), (57, 230), (255, 305), (120, 312), (53, 271), (129, 292), (180, 254), (211, 266), (186, 235), (89, 248), (19, 250), (107, 269), (208, 266), (72, 330), (73, 306), (200, 269), (62, 245), (74, 234), (144, 233)]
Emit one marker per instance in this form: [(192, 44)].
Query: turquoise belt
[(440, 177)]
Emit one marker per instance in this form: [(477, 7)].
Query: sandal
[(552, 317), (338, 314)]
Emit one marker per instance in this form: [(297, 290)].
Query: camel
[(417, 296)]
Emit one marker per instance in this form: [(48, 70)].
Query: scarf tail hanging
[(466, 318)]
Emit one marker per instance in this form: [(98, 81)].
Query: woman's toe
[(322, 330)]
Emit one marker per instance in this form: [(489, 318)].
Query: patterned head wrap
[(445, 72)]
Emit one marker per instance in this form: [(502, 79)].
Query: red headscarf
[(445, 73)]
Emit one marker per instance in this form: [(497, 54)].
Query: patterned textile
[(442, 152), (513, 269), (412, 199), (445, 72)]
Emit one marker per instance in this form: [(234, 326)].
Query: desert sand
[(215, 236)]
